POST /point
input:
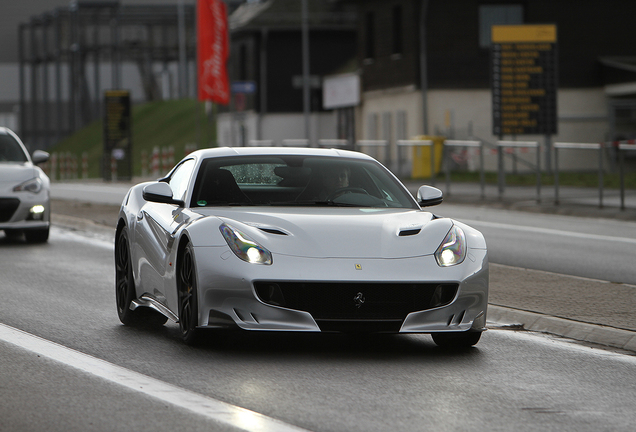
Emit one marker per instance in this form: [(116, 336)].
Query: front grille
[(8, 206), (331, 303)]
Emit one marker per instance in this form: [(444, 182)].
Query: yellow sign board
[(524, 33)]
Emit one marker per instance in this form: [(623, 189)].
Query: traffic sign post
[(524, 80), (117, 157)]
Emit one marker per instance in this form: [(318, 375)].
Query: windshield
[(10, 150), (297, 181)]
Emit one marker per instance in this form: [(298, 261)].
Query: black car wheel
[(39, 235), (188, 303), (456, 340), (125, 289)]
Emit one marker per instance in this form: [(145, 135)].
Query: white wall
[(274, 127), (467, 114)]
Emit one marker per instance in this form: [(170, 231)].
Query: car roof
[(279, 151)]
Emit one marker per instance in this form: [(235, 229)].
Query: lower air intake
[(334, 303)]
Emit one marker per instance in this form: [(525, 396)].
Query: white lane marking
[(213, 409), (548, 231)]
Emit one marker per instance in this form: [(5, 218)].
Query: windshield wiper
[(315, 203)]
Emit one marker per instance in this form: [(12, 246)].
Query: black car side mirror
[(160, 192)]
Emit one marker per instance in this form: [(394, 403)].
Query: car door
[(156, 224)]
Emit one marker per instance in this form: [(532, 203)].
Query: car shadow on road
[(248, 344)]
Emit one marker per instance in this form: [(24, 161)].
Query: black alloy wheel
[(125, 289), (188, 303)]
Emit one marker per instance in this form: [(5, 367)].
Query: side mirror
[(160, 192), (429, 196), (39, 157)]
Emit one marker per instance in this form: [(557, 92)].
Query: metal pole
[(482, 175), (97, 104), (263, 82), (501, 173), (432, 149), (446, 160), (621, 164), (538, 151), (423, 66), (600, 175), (556, 175), (34, 88), (45, 85), (58, 78), (305, 54), (22, 71), (182, 49)]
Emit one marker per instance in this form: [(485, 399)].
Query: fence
[(67, 166), (447, 160), (501, 172)]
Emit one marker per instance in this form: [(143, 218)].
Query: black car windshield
[(297, 181), (10, 150)]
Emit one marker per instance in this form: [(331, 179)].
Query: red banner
[(213, 51)]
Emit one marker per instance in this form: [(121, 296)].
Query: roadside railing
[(447, 162), (578, 146), (501, 172), (622, 148)]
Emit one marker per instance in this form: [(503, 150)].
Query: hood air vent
[(272, 231), (409, 232)]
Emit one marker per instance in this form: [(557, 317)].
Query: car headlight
[(34, 186), (452, 251), (244, 247)]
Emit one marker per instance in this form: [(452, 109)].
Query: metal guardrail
[(622, 148), (465, 143), (500, 163), (578, 146)]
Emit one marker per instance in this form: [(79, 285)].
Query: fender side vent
[(410, 232)]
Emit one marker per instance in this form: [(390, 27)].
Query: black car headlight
[(452, 251), (244, 247), (33, 185)]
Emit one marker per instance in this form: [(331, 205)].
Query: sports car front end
[(24, 190), (346, 270)]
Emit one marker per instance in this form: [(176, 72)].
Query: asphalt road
[(63, 292), (579, 246)]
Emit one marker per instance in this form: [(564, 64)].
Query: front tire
[(456, 340), (39, 235), (188, 301), (125, 291), (188, 298)]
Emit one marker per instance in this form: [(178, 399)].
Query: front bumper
[(16, 213), (227, 293)]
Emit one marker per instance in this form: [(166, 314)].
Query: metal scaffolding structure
[(70, 56)]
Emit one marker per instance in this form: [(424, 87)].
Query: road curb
[(580, 331)]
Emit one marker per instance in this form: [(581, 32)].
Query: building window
[(502, 14), (369, 51), (397, 29)]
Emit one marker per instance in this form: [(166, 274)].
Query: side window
[(180, 178)]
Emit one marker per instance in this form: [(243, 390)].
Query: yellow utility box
[(422, 156)]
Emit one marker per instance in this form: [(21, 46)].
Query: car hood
[(334, 232), (16, 173)]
